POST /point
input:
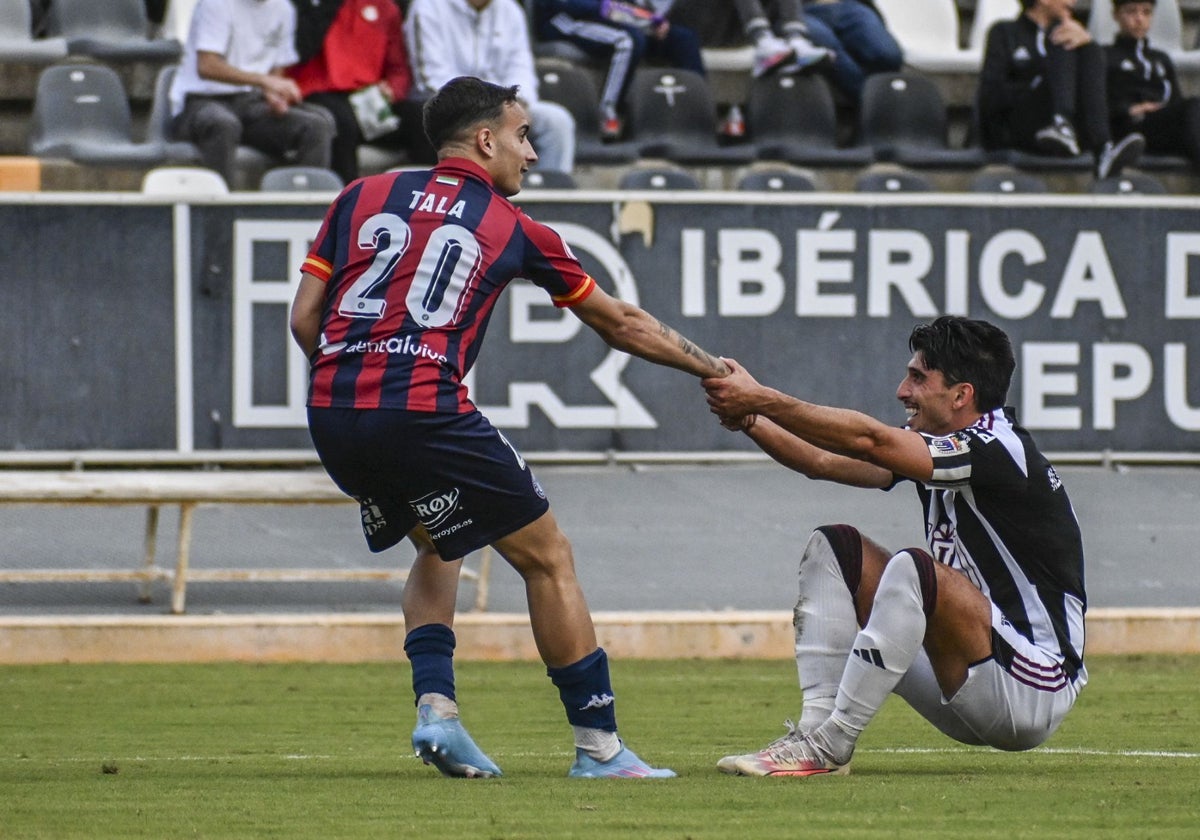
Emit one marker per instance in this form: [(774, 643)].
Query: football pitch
[(322, 751)]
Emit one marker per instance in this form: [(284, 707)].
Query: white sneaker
[(808, 56), (770, 54)]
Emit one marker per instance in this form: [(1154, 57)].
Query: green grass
[(322, 751)]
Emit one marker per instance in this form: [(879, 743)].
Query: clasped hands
[(732, 397)]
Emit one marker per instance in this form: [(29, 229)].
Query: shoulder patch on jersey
[(952, 445), (1052, 477)]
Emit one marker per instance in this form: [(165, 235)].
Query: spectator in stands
[(359, 73), (231, 88), (1143, 90), (488, 39), (859, 39), (1042, 78), (623, 33)]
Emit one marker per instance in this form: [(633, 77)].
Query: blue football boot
[(444, 743)]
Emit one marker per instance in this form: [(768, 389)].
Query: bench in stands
[(188, 490)]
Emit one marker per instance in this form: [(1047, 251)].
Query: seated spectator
[(623, 33), (231, 88), (488, 39), (1143, 90), (361, 48), (856, 33), (1043, 78)]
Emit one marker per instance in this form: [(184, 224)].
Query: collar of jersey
[(464, 167)]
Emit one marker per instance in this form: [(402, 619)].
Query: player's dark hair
[(966, 350), (462, 103)]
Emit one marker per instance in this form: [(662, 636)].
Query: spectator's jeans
[(860, 39), (552, 136)]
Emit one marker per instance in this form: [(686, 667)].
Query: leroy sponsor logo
[(435, 508)]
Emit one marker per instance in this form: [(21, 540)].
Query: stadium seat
[(549, 179), (575, 89), (1166, 30), (1128, 183), (1007, 180), (672, 115), (657, 177), (251, 163), (988, 12), (903, 119), (928, 30), (109, 30), (299, 179), (779, 179), (183, 180), (891, 178), (81, 112), (793, 118), (17, 44)]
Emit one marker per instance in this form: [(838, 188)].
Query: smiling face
[(511, 153), (932, 406), (1134, 19)]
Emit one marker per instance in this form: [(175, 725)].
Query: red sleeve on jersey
[(550, 264), (319, 261)]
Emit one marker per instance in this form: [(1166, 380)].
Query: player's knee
[(844, 544), (549, 557), (911, 571)]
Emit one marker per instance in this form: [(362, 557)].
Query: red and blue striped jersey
[(414, 263)]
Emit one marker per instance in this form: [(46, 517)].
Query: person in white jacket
[(488, 39)]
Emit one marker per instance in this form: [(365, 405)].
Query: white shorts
[(1013, 706)]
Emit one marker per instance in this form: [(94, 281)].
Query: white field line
[(1083, 751)]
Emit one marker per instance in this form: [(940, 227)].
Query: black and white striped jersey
[(996, 509)]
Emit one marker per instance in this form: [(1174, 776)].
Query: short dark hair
[(1119, 3), (966, 350), (463, 102)]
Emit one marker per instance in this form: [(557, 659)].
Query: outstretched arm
[(633, 330), (838, 431)]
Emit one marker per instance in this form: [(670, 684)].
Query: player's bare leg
[(429, 598), (566, 640)]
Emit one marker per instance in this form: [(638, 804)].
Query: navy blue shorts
[(453, 473)]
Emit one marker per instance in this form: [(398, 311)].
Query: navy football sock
[(430, 649), (586, 692)]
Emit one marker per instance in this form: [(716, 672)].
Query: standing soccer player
[(982, 633), (393, 302)]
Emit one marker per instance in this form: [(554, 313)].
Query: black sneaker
[(1058, 138), (1116, 156)]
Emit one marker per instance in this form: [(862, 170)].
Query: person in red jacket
[(362, 59)]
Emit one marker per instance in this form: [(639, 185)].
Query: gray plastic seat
[(17, 44), (300, 179), (657, 178), (549, 179), (81, 112), (1128, 183), (892, 179), (672, 115), (112, 30), (793, 118), (1007, 180), (574, 89), (903, 119), (777, 179)]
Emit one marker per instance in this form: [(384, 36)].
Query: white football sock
[(883, 650), (442, 705), (598, 743), (825, 626)]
